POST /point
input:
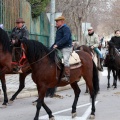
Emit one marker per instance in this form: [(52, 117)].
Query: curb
[(33, 92)]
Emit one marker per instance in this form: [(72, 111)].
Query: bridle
[(39, 59)]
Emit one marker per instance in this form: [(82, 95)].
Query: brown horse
[(6, 67), (45, 74), (89, 51)]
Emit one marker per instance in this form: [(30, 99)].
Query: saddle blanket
[(74, 58)]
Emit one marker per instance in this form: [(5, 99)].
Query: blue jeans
[(98, 52)]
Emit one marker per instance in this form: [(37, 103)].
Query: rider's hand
[(13, 41), (92, 47), (55, 46)]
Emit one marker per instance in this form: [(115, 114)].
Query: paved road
[(107, 108)]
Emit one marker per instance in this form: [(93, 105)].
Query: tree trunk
[(78, 34), (81, 33)]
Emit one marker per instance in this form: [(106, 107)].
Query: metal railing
[(41, 38)]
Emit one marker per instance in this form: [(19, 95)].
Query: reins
[(39, 59)]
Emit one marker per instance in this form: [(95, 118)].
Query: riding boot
[(66, 78)]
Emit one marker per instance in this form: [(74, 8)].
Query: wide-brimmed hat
[(60, 18), (20, 20)]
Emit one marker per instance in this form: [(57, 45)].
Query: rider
[(20, 32), (63, 42), (92, 41), (116, 39)]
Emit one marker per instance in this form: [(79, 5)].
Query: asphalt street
[(107, 105)]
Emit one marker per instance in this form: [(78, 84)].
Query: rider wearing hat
[(63, 42), (92, 41), (20, 32)]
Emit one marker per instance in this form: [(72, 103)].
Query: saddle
[(74, 60)]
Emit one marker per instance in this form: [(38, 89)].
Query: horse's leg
[(92, 94), (114, 74), (40, 102), (38, 106), (77, 94), (21, 85), (108, 77), (115, 78), (86, 89), (2, 77), (49, 112)]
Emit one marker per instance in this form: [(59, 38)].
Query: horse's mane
[(85, 48), (36, 50), (4, 41)]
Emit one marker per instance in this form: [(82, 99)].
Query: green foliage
[(38, 6)]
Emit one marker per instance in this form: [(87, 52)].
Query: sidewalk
[(12, 83)]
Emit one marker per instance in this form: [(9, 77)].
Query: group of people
[(63, 40)]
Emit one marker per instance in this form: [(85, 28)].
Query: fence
[(9, 12), (41, 38)]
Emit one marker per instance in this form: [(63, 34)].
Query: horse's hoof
[(10, 102), (34, 103), (52, 118), (108, 88), (74, 115), (114, 88), (85, 93), (3, 106), (35, 118), (92, 116)]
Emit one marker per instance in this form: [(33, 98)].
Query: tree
[(75, 12), (38, 6)]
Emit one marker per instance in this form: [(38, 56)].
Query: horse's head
[(75, 45), (35, 50), (111, 48), (4, 41)]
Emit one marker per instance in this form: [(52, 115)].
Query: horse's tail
[(50, 92), (95, 79), (118, 74)]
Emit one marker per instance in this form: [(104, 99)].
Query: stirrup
[(66, 79)]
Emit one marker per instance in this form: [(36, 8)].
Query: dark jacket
[(116, 41), (19, 34), (63, 37)]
